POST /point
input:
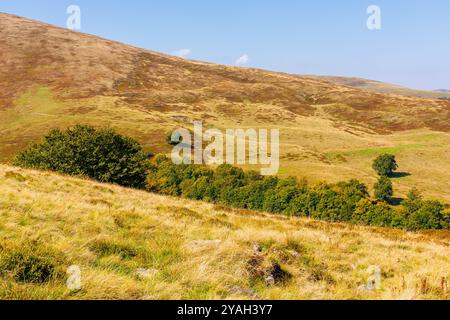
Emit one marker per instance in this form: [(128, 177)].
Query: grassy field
[(315, 148), (135, 245)]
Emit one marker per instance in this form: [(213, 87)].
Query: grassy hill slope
[(54, 78), (191, 250)]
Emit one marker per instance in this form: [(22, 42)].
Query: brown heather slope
[(76, 65), (53, 78)]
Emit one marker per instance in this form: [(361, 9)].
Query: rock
[(145, 273)]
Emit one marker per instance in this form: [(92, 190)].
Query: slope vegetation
[(135, 245)]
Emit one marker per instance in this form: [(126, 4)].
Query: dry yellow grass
[(201, 251)]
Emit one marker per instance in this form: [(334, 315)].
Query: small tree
[(385, 165), (383, 189)]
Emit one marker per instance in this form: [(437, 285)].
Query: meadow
[(131, 244)]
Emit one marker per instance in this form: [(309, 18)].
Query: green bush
[(28, 264), (101, 154), (105, 248), (385, 165), (428, 215), (374, 214), (254, 192), (277, 199)]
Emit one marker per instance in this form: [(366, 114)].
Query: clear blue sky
[(305, 37)]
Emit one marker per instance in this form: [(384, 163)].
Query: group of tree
[(341, 202), (106, 156)]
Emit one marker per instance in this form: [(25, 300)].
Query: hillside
[(382, 87), (136, 245), (54, 78)]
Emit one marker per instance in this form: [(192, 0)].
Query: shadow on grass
[(396, 201), (398, 175)]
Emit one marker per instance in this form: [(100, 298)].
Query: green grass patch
[(104, 248)]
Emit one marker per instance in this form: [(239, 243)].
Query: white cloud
[(182, 53), (243, 60)]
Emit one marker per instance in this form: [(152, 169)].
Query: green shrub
[(106, 248), (374, 214), (101, 154), (429, 215), (28, 264), (277, 200), (300, 205), (446, 219), (383, 189), (255, 191)]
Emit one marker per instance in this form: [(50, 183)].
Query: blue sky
[(305, 37)]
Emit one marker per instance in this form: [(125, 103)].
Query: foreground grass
[(195, 250)]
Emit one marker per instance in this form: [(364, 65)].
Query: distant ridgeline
[(106, 156)]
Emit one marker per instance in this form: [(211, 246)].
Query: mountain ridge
[(78, 65)]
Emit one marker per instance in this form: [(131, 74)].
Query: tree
[(101, 154), (429, 216), (383, 189), (385, 165), (375, 214)]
